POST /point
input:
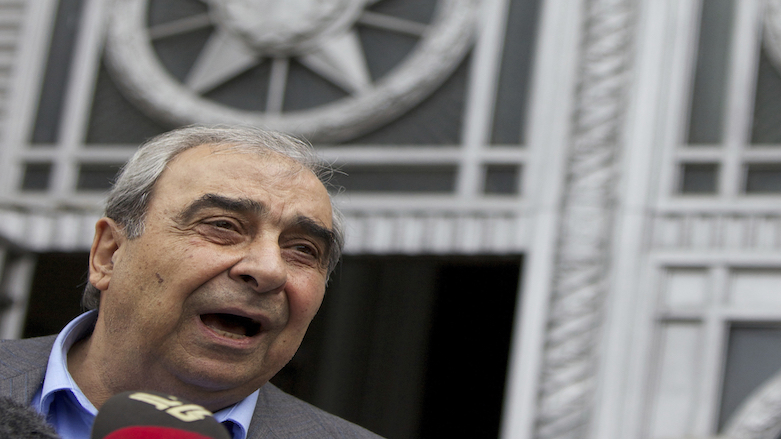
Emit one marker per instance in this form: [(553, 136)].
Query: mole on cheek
[(159, 278)]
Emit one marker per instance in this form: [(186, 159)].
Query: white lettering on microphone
[(159, 402), (177, 409), (189, 412)]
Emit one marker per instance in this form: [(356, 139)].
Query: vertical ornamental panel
[(579, 284)]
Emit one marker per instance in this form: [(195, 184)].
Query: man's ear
[(108, 239)]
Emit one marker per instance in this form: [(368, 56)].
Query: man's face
[(216, 294)]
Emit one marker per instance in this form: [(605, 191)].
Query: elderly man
[(204, 275)]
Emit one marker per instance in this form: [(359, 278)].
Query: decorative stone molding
[(759, 417), (320, 39), (716, 231), (389, 232), (436, 232), (582, 258), (11, 19), (63, 230)]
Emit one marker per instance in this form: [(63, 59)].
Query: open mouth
[(230, 325)]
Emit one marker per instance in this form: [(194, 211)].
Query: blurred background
[(563, 216)]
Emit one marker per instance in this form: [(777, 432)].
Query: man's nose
[(261, 267)]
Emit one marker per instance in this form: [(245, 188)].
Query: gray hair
[(129, 197)]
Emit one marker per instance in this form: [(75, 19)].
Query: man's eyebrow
[(240, 205), (317, 230)]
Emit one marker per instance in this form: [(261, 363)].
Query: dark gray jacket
[(277, 414)]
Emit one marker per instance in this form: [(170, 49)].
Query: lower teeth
[(227, 334)]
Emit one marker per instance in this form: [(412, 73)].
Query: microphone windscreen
[(19, 421), (156, 415)]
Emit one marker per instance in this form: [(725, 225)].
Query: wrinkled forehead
[(240, 164), (293, 161)]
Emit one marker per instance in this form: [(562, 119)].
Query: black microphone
[(154, 415), (19, 421)]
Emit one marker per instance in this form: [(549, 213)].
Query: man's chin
[(215, 390)]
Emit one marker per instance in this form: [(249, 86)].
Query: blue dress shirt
[(71, 413)]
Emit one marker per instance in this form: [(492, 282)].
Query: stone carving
[(12, 28), (46, 230), (434, 231), (566, 394), (319, 34), (709, 230), (759, 417), (772, 31)]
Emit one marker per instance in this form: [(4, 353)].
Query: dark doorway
[(412, 347)]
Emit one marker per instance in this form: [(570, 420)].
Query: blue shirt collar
[(58, 382)]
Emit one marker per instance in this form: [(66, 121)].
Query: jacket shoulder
[(22, 366), (280, 415)]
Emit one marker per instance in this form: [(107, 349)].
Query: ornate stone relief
[(759, 417), (566, 396), (318, 34)]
